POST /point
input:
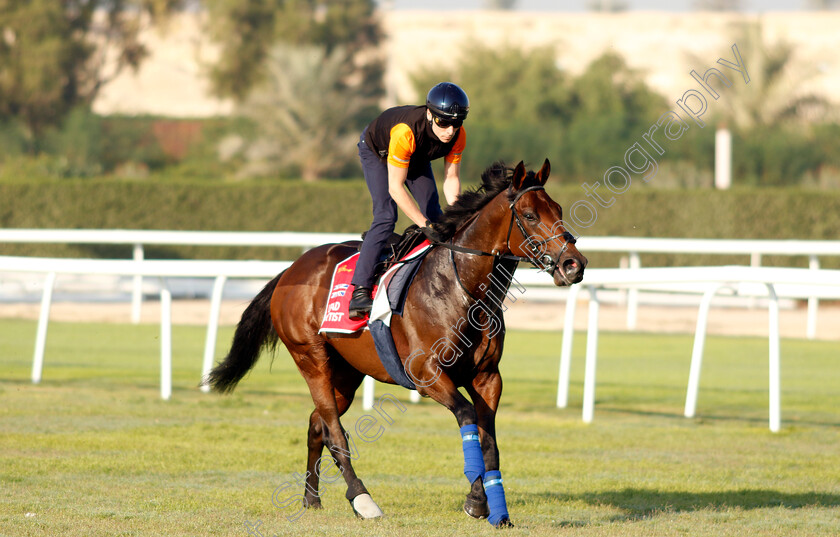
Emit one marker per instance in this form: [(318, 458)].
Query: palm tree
[(306, 116), (774, 93)]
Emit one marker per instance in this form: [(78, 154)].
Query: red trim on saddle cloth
[(336, 318)]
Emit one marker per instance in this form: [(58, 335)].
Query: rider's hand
[(431, 233)]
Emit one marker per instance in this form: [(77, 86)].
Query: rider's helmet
[(446, 100)]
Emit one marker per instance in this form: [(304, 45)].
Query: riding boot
[(360, 302)]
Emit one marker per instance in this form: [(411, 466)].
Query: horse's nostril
[(570, 266)]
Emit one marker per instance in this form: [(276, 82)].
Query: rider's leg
[(421, 184), (384, 220)]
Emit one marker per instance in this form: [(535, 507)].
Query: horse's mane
[(494, 180)]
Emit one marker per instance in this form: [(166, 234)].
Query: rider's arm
[(396, 188), (451, 181), (400, 149), (452, 168)]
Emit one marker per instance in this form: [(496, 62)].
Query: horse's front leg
[(485, 391), (444, 391)]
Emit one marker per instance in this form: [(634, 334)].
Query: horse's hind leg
[(315, 441), (315, 446), (331, 401)]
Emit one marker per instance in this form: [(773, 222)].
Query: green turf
[(93, 450)]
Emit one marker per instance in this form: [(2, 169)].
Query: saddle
[(396, 248)]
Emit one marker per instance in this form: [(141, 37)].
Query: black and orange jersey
[(404, 135)]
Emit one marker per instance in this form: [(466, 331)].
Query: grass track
[(93, 450)]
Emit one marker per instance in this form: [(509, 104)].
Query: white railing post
[(566, 347), (697, 352), (591, 357), (755, 261), (774, 363), (212, 329), (165, 341), (723, 158), (813, 303), (633, 294), (43, 323), (137, 287)]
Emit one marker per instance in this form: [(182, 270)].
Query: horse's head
[(537, 230)]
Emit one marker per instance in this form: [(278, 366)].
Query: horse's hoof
[(504, 523), (364, 507), (475, 508)]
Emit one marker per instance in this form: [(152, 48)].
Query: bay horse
[(443, 340)]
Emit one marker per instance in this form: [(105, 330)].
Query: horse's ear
[(518, 176), (542, 175)]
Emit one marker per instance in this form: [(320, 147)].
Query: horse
[(449, 335)]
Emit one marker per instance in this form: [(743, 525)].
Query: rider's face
[(444, 134)]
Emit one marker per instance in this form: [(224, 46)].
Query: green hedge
[(344, 206)]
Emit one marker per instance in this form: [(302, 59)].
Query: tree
[(306, 116), (517, 108), (774, 93), (610, 105), (247, 31), (526, 108), (522, 87), (307, 72), (52, 53)]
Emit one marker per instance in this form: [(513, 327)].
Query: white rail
[(138, 239), (632, 246), (806, 281), (220, 270)]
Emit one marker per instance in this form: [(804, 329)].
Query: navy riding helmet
[(447, 100)]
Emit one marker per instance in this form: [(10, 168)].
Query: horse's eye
[(530, 217)]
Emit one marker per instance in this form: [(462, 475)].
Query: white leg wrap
[(365, 507)]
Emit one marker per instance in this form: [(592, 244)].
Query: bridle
[(545, 262)]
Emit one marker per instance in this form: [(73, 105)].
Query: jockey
[(396, 151)]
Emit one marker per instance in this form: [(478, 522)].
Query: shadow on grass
[(702, 417), (638, 504)]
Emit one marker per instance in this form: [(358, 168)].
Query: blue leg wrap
[(495, 497), (473, 457)]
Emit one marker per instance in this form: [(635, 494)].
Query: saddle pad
[(336, 314)]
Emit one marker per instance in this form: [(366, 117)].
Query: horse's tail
[(254, 333)]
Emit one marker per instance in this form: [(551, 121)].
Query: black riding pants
[(421, 184)]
